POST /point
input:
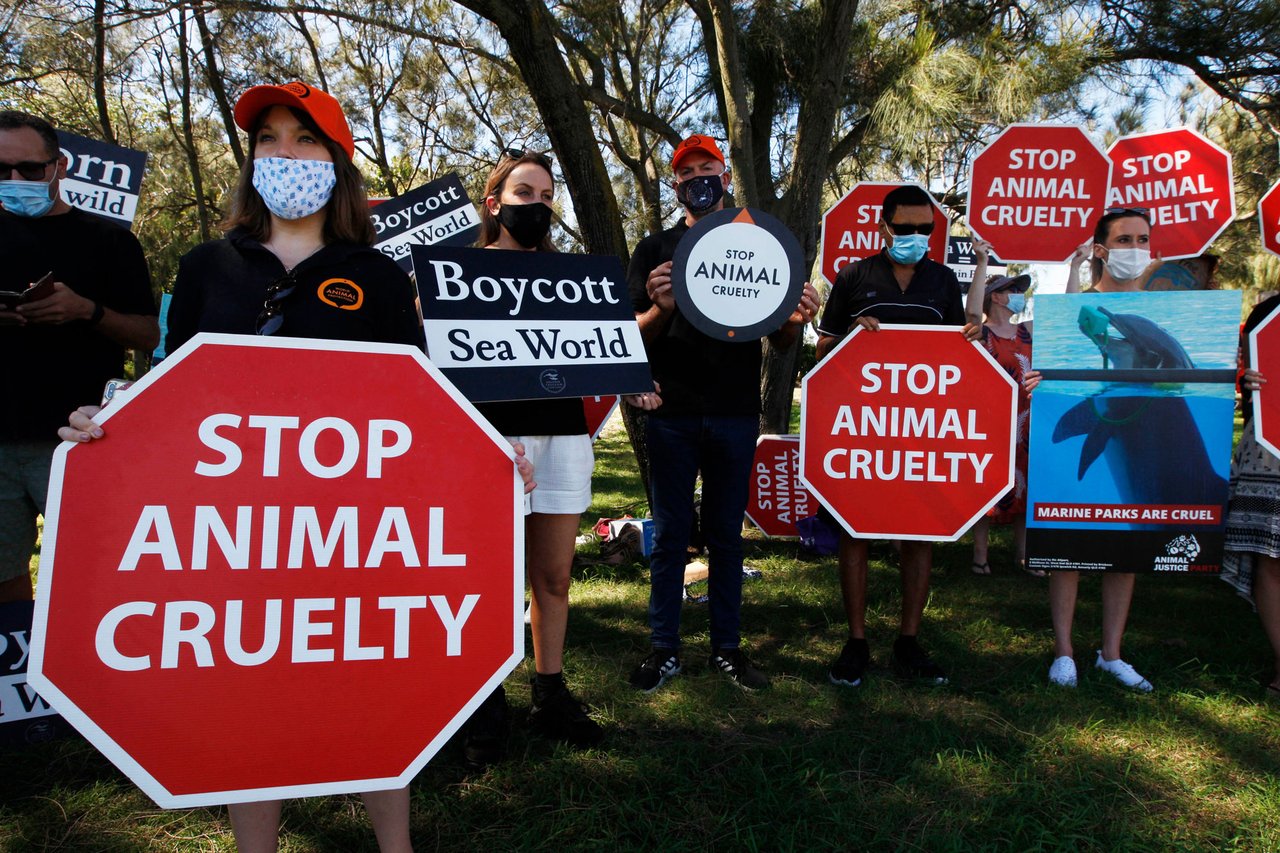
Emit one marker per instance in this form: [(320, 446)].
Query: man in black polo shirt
[(58, 351), (708, 421), (898, 285)]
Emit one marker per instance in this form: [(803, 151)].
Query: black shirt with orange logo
[(342, 292)]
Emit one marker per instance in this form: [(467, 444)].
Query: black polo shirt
[(867, 287), (51, 369), (343, 292), (699, 375)]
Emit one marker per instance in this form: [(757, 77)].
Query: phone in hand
[(42, 289)]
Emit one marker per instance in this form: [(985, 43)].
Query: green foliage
[(998, 760)]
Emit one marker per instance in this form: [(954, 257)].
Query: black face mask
[(700, 194), (527, 223)]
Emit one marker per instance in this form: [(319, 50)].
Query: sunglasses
[(30, 170), (544, 160), (272, 316), (902, 229), (1144, 212)]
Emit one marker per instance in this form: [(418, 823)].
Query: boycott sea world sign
[(506, 325), (908, 432), (737, 274), (290, 568), (1036, 191), (438, 213), (102, 179), (1183, 180), (1131, 431)]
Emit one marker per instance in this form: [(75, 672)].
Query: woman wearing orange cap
[(298, 261)]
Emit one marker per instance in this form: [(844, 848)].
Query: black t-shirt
[(52, 369), (699, 375), (342, 292), (1259, 313), (867, 287)]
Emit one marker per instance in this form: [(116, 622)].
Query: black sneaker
[(911, 661), (485, 734), (560, 716), (848, 669), (734, 663), (654, 670)]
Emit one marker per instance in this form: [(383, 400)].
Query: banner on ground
[(530, 325), (438, 213), (102, 179), (24, 716), (1131, 431)]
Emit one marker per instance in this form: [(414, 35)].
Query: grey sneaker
[(1124, 673), (734, 663)]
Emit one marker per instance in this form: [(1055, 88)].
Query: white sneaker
[(1124, 673), (1063, 671)]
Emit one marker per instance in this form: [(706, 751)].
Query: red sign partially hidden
[(908, 432), (598, 411), (1036, 191), (778, 498), (1264, 355), (290, 568), (1269, 219), (851, 228), (1183, 180)]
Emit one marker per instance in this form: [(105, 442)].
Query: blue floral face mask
[(292, 189), (26, 198)]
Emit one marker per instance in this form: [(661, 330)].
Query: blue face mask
[(1017, 302), (908, 249), (26, 198)]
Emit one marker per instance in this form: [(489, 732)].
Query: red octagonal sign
[(777, 498), (908, 432), (851, 228), (285, 571), (1269, 219), (1183, 180), (1036, 191), (1264, 355)]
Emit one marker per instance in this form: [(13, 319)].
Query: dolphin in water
[(1143, 343), (1139, 435)]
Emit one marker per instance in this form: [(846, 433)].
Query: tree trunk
[(530, 32), (216, 88), (188, 135), (100, 69), (800, 206)]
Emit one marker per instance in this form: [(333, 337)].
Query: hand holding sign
[(739, 275)]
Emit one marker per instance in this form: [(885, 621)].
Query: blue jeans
[(722, 448)]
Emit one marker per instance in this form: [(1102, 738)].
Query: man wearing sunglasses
[(897, 285), (61, 343)]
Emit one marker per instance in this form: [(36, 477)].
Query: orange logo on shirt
[(341, 293)]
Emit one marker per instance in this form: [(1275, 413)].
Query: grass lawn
[(998, 760)]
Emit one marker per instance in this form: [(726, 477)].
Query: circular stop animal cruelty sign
[(290, 568), (737, 274), (908, 432)]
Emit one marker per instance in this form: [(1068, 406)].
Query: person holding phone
[(80, 295)]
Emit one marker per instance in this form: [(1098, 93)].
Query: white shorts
[(562, 468)]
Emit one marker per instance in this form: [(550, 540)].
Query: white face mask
[(292, 189), (1127, 264)]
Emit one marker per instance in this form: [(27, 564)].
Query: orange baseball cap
[(323, 108), (696, 144)]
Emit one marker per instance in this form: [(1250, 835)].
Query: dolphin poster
[(1131, 430)]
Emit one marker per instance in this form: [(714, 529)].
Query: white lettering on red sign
[(909, 422)]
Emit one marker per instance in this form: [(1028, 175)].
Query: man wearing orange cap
[(704, 419)]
